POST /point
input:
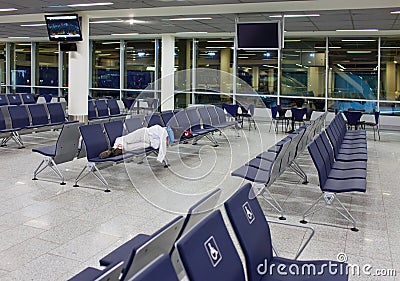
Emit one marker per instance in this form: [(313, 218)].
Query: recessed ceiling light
[(358, 40), (183, 19), (359, 52), (110, 42), (192, 32), (8, 9), (124, 34), (295, 16), (395, 12), (357, 30), (132, 21), (90, 4), (106, 21), (18, 37), (220, 41), (33, 24)]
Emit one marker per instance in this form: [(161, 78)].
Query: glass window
[(303, 68), (214, 53), (106, 63), (47, 67), (183, 66), (2, 68), (20, 66), (390, 70), (65, 67), (353, 73), (139, 64)]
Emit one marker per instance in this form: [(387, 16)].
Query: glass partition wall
[(335, 73)]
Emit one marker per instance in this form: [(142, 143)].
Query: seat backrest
[(182, 119), (128, 102), (333, 138), (48, 98), (212, 111), (159, 269), (19, 116), (274, 112), (94, 139), (56, 112), (28, 98), (204, 116), (38, 114), (154, 119), (231, 109), (14, 99), (251, 229), (195, 214), (194, 118), (133, 123), (277, 167), (113, 130), (91, 110), (113, 107), (376, 115), (326, 147), (251, 108), (161, 242), (166, 115), (298, 113), (3, 100), (2, 120), (102, 108), (319, 164), (208, 253), (67, 143), (353, 117)]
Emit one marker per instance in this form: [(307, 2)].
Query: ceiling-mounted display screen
[(63, 27), (258, 35)]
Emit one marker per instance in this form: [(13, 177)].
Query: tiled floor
[(51, 232)]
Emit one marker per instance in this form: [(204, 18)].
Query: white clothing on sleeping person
[(155, 136)]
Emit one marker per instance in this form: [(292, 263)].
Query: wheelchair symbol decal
[(248, 212), (213, 251)]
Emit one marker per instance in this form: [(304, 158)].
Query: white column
[(167, 72), (78, 88)]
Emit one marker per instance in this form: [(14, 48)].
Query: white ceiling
[(337, 14)]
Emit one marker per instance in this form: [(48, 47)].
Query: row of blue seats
[(199, 121), (200, 247), (17, 119), (341, 162), (267, 166), (103, 108), (80, 140), (101, 134), (17, 99)]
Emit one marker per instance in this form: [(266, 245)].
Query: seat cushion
[(345, 185), (49, 151), (252, 174), (348, 174), (89, 273), (123, 252)]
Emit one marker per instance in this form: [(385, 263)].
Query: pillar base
[(80, 118)]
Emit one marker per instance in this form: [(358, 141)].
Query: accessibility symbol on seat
[(248, 212), (213, 251)]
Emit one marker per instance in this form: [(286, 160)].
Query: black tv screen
[(63, 27), (258, 35)]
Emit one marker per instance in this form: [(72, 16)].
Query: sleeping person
[(155, 136)]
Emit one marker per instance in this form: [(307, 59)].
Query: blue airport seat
[(159, 269), (252, 230), (215, 255)]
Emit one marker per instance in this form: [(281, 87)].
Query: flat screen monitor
[(258, 35), (63, 27)]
